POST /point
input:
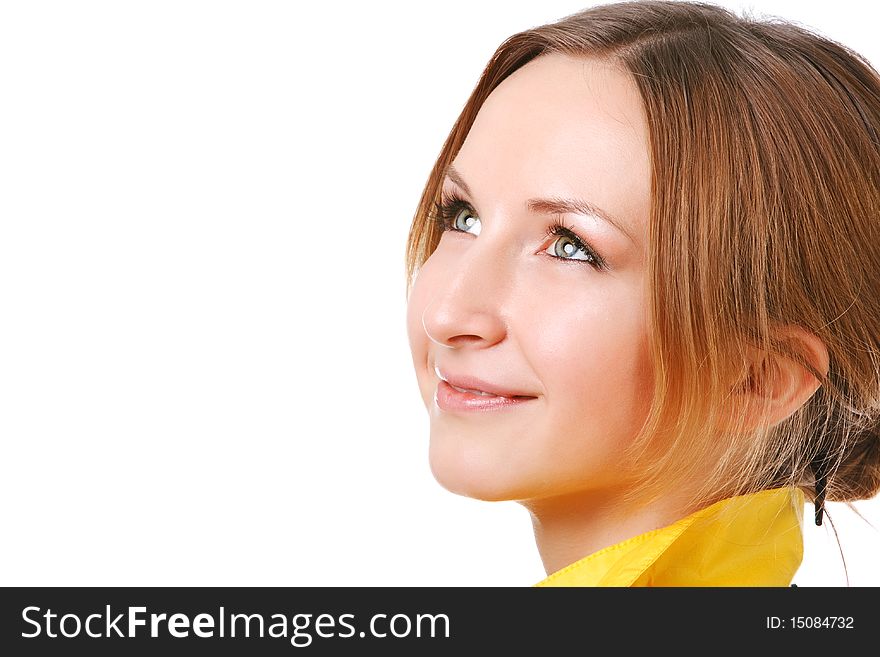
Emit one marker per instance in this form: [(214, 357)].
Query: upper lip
[(474, 383)]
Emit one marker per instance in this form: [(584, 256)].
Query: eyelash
[(451, 204)]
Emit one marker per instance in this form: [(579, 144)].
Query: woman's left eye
[(568, 246), (565, 247)]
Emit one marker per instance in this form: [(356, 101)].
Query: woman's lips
[(451, 398), (468, 383)]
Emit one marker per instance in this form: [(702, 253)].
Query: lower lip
[(450, 399)]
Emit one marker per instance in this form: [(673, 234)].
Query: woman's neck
[(571, 527)]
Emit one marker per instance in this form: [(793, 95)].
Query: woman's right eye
[(466, 221), (457, 215)]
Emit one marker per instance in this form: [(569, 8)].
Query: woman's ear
[(774, 386)]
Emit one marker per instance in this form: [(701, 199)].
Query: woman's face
[(503, 306)]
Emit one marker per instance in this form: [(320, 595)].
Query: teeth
[(473, 392)]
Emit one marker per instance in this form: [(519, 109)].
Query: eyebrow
[(553, 204)]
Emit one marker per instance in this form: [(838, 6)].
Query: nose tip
[(451, 325), (468, 295)]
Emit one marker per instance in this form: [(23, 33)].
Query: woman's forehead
[(563, 126)]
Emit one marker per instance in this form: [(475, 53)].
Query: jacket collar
[(750, 540)]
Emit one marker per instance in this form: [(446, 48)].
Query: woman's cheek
[(419, 297), (590, 358)]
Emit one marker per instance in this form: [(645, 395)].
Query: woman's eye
[(457, 215), (564, 247), (466, 221)]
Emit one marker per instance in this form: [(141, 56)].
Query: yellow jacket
[(751, 540)]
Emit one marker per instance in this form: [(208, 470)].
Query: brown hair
[(765, 213)]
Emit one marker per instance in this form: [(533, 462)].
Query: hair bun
[(857, 474)]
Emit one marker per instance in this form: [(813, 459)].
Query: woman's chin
[(470, 473)]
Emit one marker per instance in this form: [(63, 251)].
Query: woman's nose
[(466, 308)]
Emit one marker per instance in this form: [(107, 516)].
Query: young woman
[(643, 288)]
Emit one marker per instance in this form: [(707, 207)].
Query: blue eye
[(456, 214), (465, 220), (568, 246)]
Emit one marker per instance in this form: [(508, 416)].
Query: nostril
[(465, 339)]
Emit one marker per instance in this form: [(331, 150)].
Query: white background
[(204, 370)]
